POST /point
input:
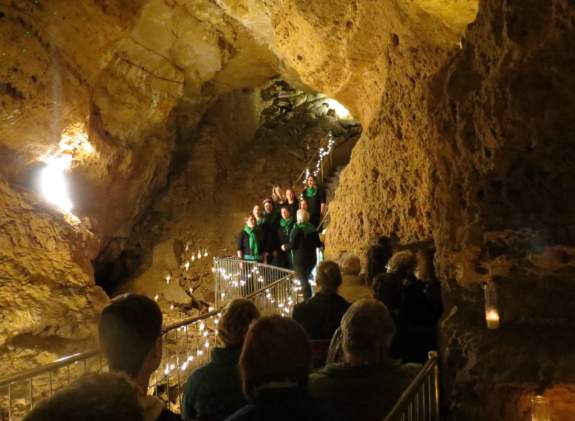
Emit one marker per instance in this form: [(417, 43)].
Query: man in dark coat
[(285, 228), (367, 383), (130, 332), (320, 315)]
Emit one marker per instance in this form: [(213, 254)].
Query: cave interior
[(134, 131)]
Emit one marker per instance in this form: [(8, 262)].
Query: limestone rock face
[(46, 283), (100, 80), (504, 125)]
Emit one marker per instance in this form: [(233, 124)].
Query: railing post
[(432, 355)]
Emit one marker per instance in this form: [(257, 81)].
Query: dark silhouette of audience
[(130, 332), (378, 256), (94, 397), (367, 383), (415, 315), (321, 315), (274, 367), (214, 392), (262, 369)]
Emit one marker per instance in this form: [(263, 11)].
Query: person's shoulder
[(167, 415), (409, 369), (342, 301), (245, 413), (198, 375), (299, 307)]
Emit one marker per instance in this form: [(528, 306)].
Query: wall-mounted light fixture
[(540, 410), (491, 307)]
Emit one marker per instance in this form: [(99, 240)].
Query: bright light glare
[(53, 182), (339, 109)]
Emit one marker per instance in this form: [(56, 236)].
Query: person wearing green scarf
[(266, 231), (304, 240), (250, 241), (315, 197), (286, 226)]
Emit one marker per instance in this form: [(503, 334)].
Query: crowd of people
[(348, 352), (285, 232)]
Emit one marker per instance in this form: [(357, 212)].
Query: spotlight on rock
[(339, 109), (54, 183)]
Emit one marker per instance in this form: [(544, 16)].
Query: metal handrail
[(193, 335), (420, 401), (62, 362), (81, 356)]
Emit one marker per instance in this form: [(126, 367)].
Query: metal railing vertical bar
[(420, 400)]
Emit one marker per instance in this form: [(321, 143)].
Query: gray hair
[(328, 277), (367, 331), (351, 265), (302, 216)]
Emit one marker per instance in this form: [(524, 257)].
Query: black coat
[(303, 247), (243, 243), (285, 404), (321, 315), (314, 202)]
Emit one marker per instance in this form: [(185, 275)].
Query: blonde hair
[(302, 216), (278, 197)]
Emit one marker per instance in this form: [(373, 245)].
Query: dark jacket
[(284, 258), (414, 316), (243, 243), (321, 315), (314, 202), (362, 393), (285, 404), (303, 247), (214, 391), (293, 208)]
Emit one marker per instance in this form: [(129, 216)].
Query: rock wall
[(503, 159), (469, 140), (100, 80), (47, 287)]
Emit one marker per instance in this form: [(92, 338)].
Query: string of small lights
[(323, 152), (189, 258)]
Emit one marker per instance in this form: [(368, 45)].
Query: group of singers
[(285, 232)]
